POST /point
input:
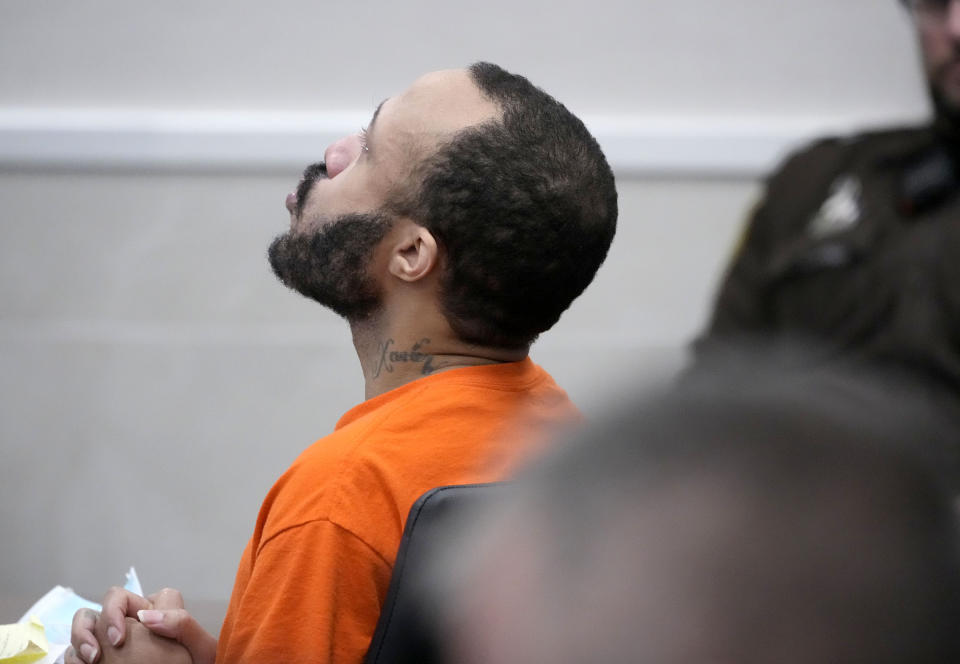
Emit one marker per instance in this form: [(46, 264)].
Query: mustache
[(311, 174)]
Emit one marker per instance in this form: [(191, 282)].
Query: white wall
[(154, 379), (732, 57)]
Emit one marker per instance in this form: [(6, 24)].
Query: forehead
[(436, 105)]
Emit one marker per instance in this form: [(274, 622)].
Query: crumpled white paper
[(55, 612)]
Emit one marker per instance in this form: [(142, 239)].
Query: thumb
[(179, 625)]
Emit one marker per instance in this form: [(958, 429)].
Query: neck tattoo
[(416, 354)]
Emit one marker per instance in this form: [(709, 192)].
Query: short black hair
[(524, 208)]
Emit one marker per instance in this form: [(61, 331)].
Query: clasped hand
[(131, 628)]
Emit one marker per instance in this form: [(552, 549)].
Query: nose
[(341, 154)]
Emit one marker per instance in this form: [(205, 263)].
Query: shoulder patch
[(840, 211)]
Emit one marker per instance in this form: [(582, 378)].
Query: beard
[(947, 114), (331, 265), (945, 91)]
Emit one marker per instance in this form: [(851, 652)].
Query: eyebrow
[(374, 118)]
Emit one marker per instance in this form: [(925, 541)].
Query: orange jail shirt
[(315, 572)]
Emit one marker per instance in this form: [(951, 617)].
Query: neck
[(393, 357)]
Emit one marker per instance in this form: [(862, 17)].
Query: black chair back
[(404, 633)]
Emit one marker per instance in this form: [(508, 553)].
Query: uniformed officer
[(855, 246)]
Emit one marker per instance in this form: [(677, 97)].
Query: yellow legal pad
[(22, 643)]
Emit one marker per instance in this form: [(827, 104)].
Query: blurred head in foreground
[(776, 519)]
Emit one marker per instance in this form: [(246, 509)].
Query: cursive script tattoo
[(382, 349), (416, 354)]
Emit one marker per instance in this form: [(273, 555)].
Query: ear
[(414, 253)]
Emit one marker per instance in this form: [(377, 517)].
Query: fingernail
[(113, 635), (150, 616), (88, 652)]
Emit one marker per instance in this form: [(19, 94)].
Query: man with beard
[(449, 233), (855, 247)]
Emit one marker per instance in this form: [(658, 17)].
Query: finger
[(82, 639), (178, 624), (167, 598), (70, 656), (119, 603)]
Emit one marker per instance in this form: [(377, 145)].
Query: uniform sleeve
[(313, 595), (740, 306), (740, 312), (745, 302)]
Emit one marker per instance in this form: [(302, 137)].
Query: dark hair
[(524, 208)]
